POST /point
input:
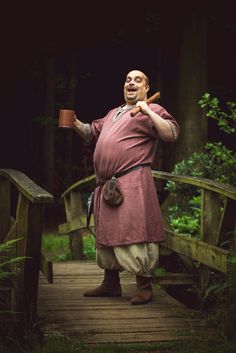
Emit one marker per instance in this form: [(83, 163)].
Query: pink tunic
[(128, 142)]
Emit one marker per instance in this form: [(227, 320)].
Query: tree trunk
[(71, 104), (192, 85), (48, 138), (76, 240)]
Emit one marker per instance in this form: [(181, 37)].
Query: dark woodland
[(65, 57)]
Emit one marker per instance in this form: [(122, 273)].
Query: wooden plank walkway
[(63, 308)]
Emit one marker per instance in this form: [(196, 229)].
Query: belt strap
[(117, 175)]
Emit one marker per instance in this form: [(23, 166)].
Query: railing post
[(233, 269), (228, 224), (211, 217), (21, 234), (33, 250), (74, 209), (4, 207), (29, 227)]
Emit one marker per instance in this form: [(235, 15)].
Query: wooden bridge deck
[(62, 308)]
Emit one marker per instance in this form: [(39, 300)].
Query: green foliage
[(216, 162), (57, 247), (160, 271), (9, 268), (226, 120), (186, 219), (8, 262), (89, 247), (185, 224)]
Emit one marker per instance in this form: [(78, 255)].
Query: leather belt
[(117, 175)]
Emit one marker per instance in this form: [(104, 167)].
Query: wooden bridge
[(55, 298), (62, 308)]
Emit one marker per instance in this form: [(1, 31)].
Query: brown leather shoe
[(104, 291), (110, 286), (144, 293)]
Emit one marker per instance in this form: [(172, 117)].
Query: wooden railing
[(21, 217), (218, 211), (76, 215), (215, 222)]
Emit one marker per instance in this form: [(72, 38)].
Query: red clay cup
[(66, 118)]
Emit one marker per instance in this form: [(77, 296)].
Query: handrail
[(26, 186), (204, 183), (79, 183), (24, 220)]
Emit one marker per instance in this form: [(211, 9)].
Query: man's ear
[(147, 88)]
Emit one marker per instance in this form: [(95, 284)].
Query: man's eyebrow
[(134, 77)]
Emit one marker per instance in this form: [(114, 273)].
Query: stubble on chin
[(131, 100)]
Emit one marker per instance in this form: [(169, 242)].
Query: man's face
[(135, 87)]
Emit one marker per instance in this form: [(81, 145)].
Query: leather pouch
[(112, 194)]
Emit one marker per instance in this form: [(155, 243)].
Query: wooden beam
[(204, 183), (32, 265), (80, 183), (22, 211), (211, 216), (205, 253), (12, 232), (171, 278), (164, 251), (67, 205), (22, 224), (74, 211), (26, 186), (228, 223), (46, 268), (187, 261), (74, 224), (4, 207)]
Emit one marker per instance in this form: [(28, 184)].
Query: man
[(127, 235)]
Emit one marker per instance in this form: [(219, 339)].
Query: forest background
[(57, 56)]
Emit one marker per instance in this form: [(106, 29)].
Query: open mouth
[(131, 89)]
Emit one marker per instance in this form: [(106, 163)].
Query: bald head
[(140, 73), (136, 87)]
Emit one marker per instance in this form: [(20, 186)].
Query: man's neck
[(129, 106)]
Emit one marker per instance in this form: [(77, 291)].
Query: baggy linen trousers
[(140, 259)]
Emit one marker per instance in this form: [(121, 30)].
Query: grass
[(89, 247), (57, 247), (58, 343)]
